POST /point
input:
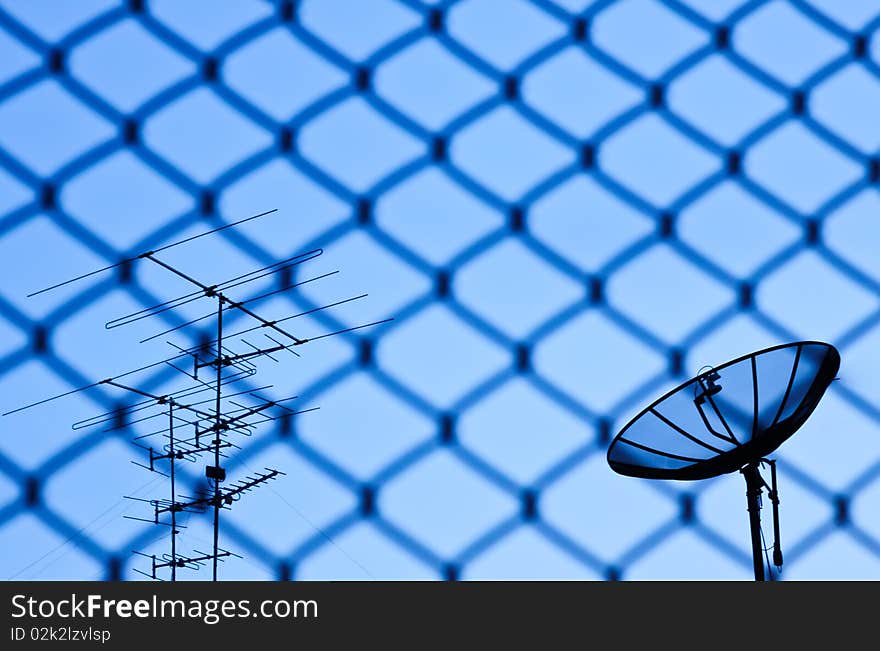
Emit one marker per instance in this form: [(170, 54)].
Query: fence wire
[(567, 205)]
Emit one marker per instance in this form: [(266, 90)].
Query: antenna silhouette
[(201, 419)]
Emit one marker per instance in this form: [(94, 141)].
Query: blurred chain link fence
[(567, 205)]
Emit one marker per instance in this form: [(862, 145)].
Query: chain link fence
[(569, 206)]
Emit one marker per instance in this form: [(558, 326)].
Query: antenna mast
[(203, 405)]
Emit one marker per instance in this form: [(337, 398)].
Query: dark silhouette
[(203, 406), (730, 418)]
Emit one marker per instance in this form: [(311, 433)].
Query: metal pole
[(217, 433), (173, 494), (754, 484), (774, 498)]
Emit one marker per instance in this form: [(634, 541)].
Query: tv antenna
[(727, 419), (201, 419)]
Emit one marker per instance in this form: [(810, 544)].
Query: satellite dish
[(729, 418)]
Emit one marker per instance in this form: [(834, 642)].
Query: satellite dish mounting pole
[(754, 484)]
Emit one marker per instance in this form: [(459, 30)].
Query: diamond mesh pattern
[(568, 205)]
